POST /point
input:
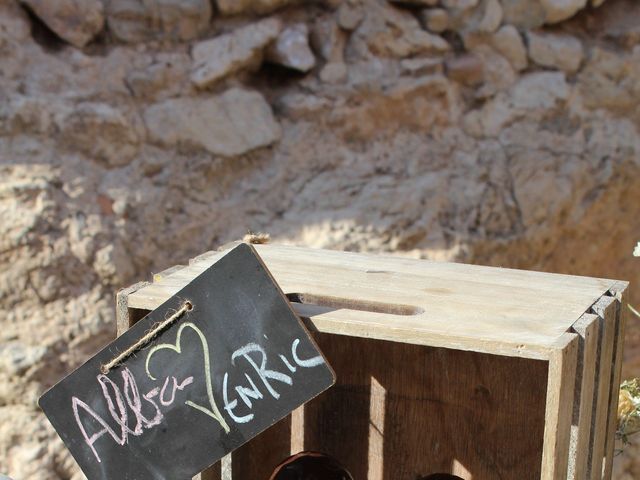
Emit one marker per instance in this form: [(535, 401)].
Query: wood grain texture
[(126, 316), (297, 430), (586, 328), (559, 408), (259, 456), (605, 308), (219, 471), (619, 292), (226, 467), (465, 307), (157, 277), (403, 411), (209, 474)]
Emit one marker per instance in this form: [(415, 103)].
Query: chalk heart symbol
[(213, 411)]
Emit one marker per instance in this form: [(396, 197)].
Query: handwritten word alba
[(131, 412)]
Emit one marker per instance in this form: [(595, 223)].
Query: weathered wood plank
[(209, 474), (157, 277), (619, 292), (125, 315), (559, 408), (204, 257), (258, 457), (605, 308), (467, 307), (404, 412), (586, 328)]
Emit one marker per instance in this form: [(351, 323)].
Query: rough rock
[(558, 10), (14, 25), (291, 49), (422, 66), (460, 5), (230, 124), (483, 18), (251, 7), (497, 73), (371, 74), (416, 3), (435, 19), (555, 50), (20, 113), (334, 73), (32, 449), (491, 17), (101, 132), (617, 23), (540, 91), (25, 200), (422, 104), (16, 358), (611, 81), (534, 95), (140, 20), (536, 169), (167, 75), (466, 69), (76, 22), (350, 15), (327, 39), (524, 13), (509, 43), (111, 262), (390, 32), (298, 105), (226, 54)]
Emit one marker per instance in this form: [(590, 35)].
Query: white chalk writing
[(130, 413)]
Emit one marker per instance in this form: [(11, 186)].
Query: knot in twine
[(258, 238)]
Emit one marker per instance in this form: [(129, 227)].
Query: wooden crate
[(484, 373)]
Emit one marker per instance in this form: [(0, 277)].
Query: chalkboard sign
[(233, 360)]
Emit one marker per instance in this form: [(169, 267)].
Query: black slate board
[(236, 305)]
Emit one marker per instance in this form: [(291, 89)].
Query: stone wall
[(135, 134)]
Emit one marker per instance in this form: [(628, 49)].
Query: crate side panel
[(258, 457), (587, 330), (605, 308), (559, 408), (619, 292), (403, 411)]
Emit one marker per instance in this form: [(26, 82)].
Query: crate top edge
[(381, 295)]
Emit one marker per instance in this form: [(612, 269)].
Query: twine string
[(146, 338)]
